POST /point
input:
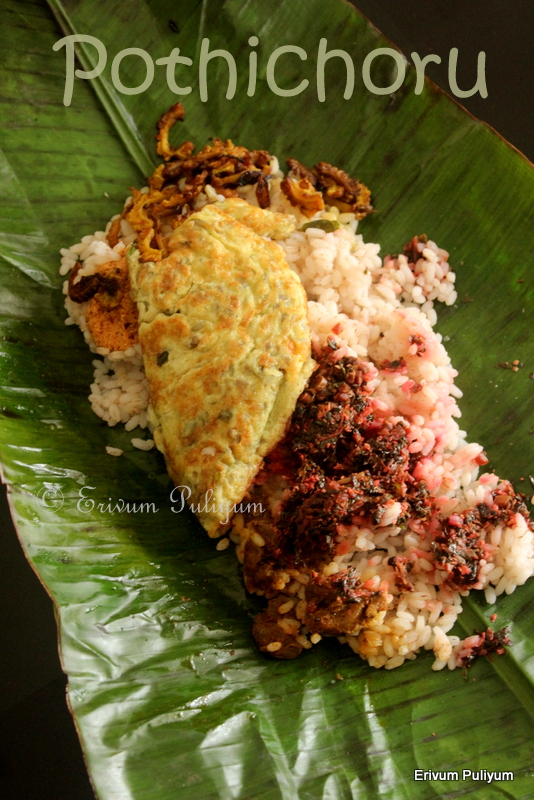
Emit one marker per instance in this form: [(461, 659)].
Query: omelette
[(226, 343)]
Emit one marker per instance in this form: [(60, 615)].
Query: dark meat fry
[(340, 605), (262, 569), (340, 468), (271, 636), (85, 288)]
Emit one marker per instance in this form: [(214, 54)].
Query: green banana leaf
[(169, 694)]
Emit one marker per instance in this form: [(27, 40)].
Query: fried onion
[(224, 166), (310, 190)]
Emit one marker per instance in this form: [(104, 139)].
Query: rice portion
[(119, 392), (380, 311)]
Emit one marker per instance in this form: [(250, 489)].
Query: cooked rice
[(143, 444), (374, 309), (114, 451)]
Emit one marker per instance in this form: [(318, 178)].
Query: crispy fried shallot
[(115, 231), (340, 190), (262, 192), (175, 185), (311, 190), (301, 193), (165, 123)]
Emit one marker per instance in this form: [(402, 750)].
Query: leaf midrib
[(119, 117)]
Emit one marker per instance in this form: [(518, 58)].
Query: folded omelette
[(226, 343)]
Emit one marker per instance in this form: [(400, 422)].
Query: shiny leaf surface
[(169, 694)]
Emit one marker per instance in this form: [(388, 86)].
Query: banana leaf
[(169, 694)]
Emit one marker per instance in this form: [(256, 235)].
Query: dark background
[(40, 757), (503, 30)]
